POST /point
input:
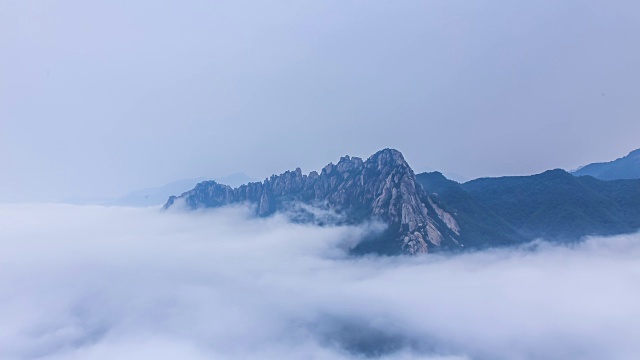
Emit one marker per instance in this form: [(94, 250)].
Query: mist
[(82, 282)]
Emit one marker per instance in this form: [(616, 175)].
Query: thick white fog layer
[(117, 283)]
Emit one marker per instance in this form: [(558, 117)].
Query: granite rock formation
[(381, 188)]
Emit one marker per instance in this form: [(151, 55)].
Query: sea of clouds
[(84, 282)]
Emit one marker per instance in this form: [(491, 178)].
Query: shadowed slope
[(479, 226), (557, 205)]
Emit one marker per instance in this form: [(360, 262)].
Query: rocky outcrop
[(381, 188)]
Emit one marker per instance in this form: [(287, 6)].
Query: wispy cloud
[(119, 283)]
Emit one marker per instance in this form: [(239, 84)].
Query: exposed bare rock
[(381, 188), (447, 218)]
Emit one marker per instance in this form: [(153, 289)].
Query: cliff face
[(381, 188)]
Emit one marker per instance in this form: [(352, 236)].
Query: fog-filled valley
[(91, 282)]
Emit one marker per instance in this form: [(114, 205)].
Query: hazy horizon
[(97, 198)]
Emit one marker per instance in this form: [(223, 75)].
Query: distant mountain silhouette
[(627, 167), (157, 196)]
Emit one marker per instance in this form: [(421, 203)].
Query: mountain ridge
[(383, 187), (428, 212), (626, 167), (558, 206)]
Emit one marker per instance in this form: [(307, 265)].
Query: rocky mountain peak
[(347, 163), (382, 188), (388, 158)]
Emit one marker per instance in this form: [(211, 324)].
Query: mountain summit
[(382, 188)]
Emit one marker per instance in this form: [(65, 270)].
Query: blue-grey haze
[(102, 98)]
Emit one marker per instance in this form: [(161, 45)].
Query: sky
[(98, 283), (101, 98)]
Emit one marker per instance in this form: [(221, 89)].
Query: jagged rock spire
[(383, 187)]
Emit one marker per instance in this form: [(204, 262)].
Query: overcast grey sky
[(103, 97)]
